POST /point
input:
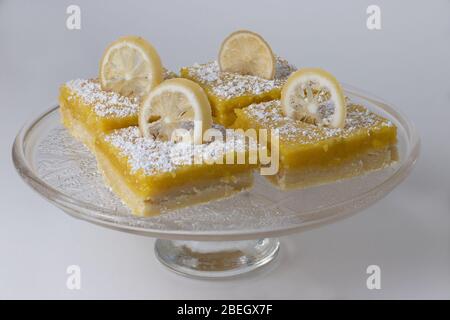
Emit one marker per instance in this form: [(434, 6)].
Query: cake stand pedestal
[(212, 259)]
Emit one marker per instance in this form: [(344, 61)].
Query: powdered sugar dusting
[(269, 115), (154, 156), (230, 85), (106, 103)]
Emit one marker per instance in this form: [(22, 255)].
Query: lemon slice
[(247, 53), (170, 105), (307, 90), (130, 66)]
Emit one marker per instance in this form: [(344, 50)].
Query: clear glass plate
[(64, 172)]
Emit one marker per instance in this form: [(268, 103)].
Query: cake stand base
[(215, 259)]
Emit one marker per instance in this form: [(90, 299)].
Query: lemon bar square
[(228, 91), (87, 110), (312, 155), (152, 176)]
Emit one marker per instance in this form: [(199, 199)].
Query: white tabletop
[(407, 234)]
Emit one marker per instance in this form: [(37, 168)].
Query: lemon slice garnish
[(130, 66), (247, 53), (170, 105), (307, 90)]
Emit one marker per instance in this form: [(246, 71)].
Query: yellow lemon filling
[(306, 148), (155, 172), (87, 110), (229, 91)]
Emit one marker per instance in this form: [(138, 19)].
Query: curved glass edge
[(101, 216)]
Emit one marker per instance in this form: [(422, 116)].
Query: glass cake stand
[(218, 239)]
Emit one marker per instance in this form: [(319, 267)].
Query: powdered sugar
[(106, 103), (154, 156), (269, 115), (229, 85)]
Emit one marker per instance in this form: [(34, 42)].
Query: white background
[(407, 63)]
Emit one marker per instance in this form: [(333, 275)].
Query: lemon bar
[(312, 155), (87, 110), (228, 91), (151, 176)]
